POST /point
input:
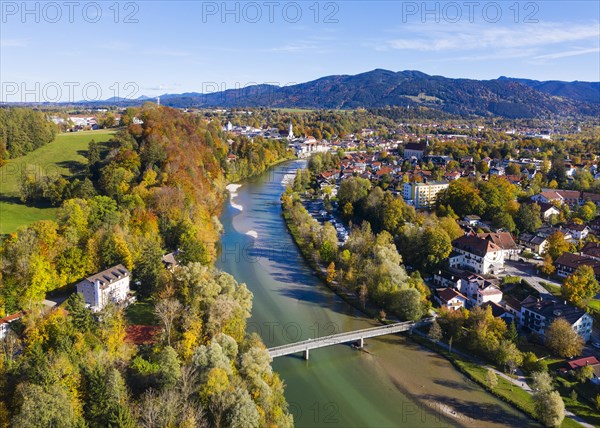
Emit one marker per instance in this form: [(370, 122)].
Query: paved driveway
[(527, 271)]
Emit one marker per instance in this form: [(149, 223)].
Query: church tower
[(290, 132)]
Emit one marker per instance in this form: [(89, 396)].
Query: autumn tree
[(557, 245), (491, 379), (562, 339), (331, 272), (548, 266), (580, 286)]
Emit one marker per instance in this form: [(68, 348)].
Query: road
[(527, 271)]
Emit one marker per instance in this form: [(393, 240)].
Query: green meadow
[(65, 155)]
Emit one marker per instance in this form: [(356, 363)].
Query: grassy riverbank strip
[(504, 390)]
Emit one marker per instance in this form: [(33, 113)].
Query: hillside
[(379, 88), (580, 91), (64, 155)]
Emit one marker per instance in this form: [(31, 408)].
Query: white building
[(480, 290), (476, 255), (539, 314), (415, 150), (423, 195), (450, 298), (5, 323), (110, 285)]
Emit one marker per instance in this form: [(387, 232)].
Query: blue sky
[(192, 46)]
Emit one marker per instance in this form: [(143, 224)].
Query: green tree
[(587, 211), (82, 317), (436, 245), (435, 331), (513, 169), (531, 363), (463, 197), (353, 190), (45, 407), (542, 382), (407, 304), (170, 367), (528, 217), (148, 267), (512, 334), (584, 374), (509, 355)]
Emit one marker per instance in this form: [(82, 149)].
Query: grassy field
[(141, 312), (594, 304), (552, 289), (506, 390), (65, 155)]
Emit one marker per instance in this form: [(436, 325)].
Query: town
[(459, 220)]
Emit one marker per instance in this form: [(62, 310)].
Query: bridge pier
[(361, 343), (306, 353)]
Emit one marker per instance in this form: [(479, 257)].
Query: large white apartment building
[(423, 195)]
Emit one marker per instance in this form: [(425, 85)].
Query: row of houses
[(465, 290), (573, 198), (468, 282)]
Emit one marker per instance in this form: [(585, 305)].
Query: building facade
[(110, 285), (537, 315), (476, 255), (423, 195)]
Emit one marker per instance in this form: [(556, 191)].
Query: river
[(394, 383)]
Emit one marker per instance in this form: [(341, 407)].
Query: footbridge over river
[(357, 337)]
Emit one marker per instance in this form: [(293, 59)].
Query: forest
[(23, 130), (158, 186)]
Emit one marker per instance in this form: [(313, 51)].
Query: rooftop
[(552, 309), (582, 362), (109, 275), (475, 245)]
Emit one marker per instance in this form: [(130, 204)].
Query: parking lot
[(527, 271)]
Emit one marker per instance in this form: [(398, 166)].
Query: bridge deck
[(334, 339)]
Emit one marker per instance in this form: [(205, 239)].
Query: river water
[(394, 383)]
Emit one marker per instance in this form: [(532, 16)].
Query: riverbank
[(321, 271), (445, 410), (508, 389), (393, 383)]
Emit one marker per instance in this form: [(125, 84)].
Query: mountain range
[(506, 97)]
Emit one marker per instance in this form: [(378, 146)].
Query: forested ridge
[(155, 187)]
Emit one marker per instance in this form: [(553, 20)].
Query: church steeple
[(291, 132)]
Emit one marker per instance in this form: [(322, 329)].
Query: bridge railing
[(345, 337)]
